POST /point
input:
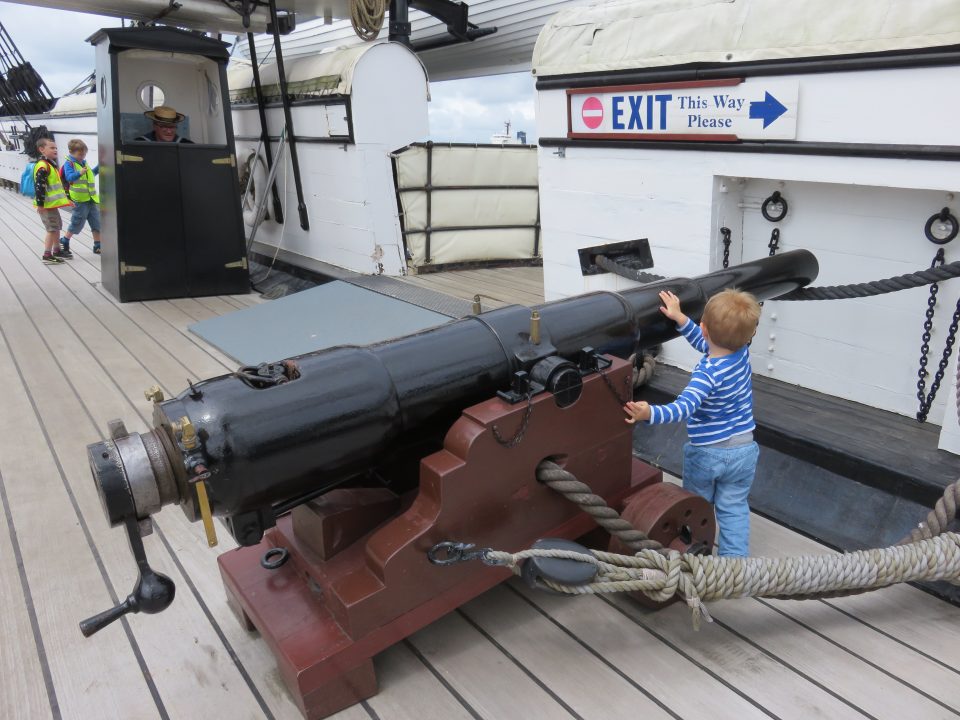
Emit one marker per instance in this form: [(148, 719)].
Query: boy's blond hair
[(76, 145), (731, 318), (43, 142)]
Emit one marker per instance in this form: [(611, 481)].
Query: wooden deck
[(72, 358), (497, 286)]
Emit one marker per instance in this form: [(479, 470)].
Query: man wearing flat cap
[(165, 120)]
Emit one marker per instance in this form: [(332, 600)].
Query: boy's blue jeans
[(723, 476)]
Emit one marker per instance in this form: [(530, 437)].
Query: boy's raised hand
[(636, 411), (671, 307)]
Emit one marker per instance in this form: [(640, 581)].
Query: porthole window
[(150, 95)]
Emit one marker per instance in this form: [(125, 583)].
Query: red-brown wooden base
[(326, 619)]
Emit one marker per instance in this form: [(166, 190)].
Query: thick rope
[(827, 292), (644, 372), (937, 520), (740, 577), (367, 18), (877, 287), (565, 483), (699, 578)]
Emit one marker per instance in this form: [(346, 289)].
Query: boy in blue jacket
[(83, 193), (720, 461)]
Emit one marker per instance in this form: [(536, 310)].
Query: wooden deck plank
[(756, 675), (490, 285), (408, 690), (527, 290), (56, 556), (685, 687), (179, 320), (193, 308), (70, 427), (588, 685), (912, 617), (20, 663), (828, 665), (482, 675)]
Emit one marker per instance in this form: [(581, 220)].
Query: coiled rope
[(698, 579), (366, 16), (927, 553)]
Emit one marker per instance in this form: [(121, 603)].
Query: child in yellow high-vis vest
[(83, 193), (49, 197)]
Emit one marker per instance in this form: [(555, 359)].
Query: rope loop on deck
[(698, 579)]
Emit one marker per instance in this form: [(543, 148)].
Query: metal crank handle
[(152, 593)]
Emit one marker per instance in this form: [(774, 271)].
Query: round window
[(150, 95)]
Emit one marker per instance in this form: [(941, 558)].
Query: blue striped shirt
[(718, 401)]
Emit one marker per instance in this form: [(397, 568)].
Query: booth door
[(150, 249), (212, 222)]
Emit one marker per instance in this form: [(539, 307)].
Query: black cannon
[(252, 445)]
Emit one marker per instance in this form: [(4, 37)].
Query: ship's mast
[(22, 91)]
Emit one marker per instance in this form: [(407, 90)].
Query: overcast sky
[(54, 42)]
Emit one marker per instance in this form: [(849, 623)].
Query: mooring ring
[(775, 199), (274, 558), (944, 216)]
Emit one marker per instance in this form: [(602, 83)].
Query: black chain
[(627, 385), (774, 243), (725, 231), (926, 399), (524, 423)]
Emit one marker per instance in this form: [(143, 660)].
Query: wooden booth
[(172, 225)]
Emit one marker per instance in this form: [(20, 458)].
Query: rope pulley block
[(563, 571)]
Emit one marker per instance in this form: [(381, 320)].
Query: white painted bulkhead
[(862, 217), (348, 187)]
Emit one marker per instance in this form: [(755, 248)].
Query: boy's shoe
[(50, 259), (63, 253), (96, 248)]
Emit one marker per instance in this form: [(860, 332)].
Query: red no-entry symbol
[(592, 112)]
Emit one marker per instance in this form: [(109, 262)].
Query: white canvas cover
[(477, 209), (326, 73), (639, 34)]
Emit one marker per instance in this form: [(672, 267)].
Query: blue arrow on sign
[(768, 109)]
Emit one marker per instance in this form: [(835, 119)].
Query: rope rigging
[(877, 287), (928, 553), (366, 16)]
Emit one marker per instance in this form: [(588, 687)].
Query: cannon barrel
[(259, 441)]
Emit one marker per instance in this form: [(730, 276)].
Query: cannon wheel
[(672, 516)]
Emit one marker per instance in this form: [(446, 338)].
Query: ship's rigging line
[(929, 552)]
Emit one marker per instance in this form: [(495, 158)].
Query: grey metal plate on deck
[(336, 313)]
